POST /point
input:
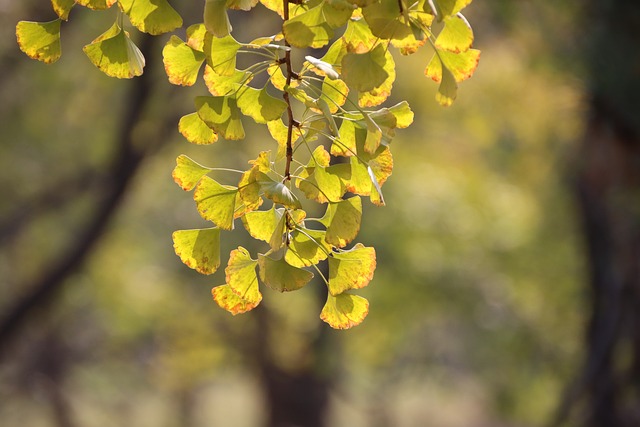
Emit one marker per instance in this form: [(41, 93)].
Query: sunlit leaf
[(188, 173), (307, 247), (241, 4), (40, 40), (278, 192), (309, 29), (280, 276), (365, 71), (195, 36), (198, 249), (216, 202), (97, 4), (181, 62), (195, 130), (337, 12), (342, 220), (386, 21), (448, 8), (403, 114), (241, 276), (358, 36), (224, 85), (62, 8), (115, 54), (352, 269), (379, 94), (221, 53), (216, 19), (259, 105), (278, 132), (227, 299), (262, 224), (334, 93), (344, 311), (448, 68), (456, 36), (151, 16), (221, 114)]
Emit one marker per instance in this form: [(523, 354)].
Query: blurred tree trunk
[(608, 187)]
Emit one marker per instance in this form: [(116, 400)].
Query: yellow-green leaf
[(40, 40), (456, 36), (188, 173), (461, 65), (379, 94), (307, 247), (216, 19), (221, 113), (262, 224), (195, 36), (151, 16), (62, 8), (309, 29), (97, 4), (224, 85), (403, 114), (195, 130), (216, 202), (365, 71), (280, 276), (352, 269), (115, 54), (227, 299), (386, 21), (198, 249), (344, 311), (181, 62), (342, 220), (221, 53), (241, 4), (447, 8), (278, 192), (241, 276), (259, 105)]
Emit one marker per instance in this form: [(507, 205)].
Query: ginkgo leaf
[(379, 94), (403, 114), (358, 36), (249, 188), (195, 130), (365, 71), (221, 113), (309, 29), (181, 62), (344, 311), (461, 65), (352, 269), (195, 36), (334, 93), (151, 16), (278, 192), (115, 54), (227, 299), (259, 105), (307, 247), (448, 8), (216, 19), (216, 202), (448, 89), (224, 85), (241, 4), (342, 220), (198, 249), (321, 184), (386, 21), (97, 4), (188, 173), (221, 53), (262, 224), (241, 275), (456, 36), (40, 40), (416, 38), (337, 12), (278, 132), (62, 8), (280, 276)]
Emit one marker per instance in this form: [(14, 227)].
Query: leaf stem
[(291, 121)]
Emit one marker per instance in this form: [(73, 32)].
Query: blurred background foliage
[(477, 304)]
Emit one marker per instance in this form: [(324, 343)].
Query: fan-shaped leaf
[(259, 105), (221, 53), (97, 4), (456, 36), (216, 19), (344, 311), (187, 173), (280, 276), (181, 62), (224, 85), (151, 16), (199, 249), (365, 71), (309, 29), (342, 220), (448, 8), (241, 276), (40, 40), (195, 130), (62, 8), (115, 54), (278, 192), (216, 202), (221, 114), (351, 269), (379, 94), (227, 299)]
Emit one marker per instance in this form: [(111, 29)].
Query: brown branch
[(291, 121)]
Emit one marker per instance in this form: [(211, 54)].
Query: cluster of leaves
[(332, 149)]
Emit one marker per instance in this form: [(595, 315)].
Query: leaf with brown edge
[(342, 220), (379, 94), (198, 249), (115, 54), (224, 85), (62, 8), (241, 276), (216, 202), (281, 276), (344, 311), (195, 130), (456, 36), (228, 300), (181, 62), (188, 173), (154, 17), (352, 269), (97, 4), (40, 40)]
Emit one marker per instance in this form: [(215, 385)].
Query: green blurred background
[(478, 304)]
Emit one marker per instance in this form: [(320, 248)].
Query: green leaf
[(221, 53), (62, 8), (307, 247), (334, 93), (195, 130), (448, 68), (386, 21), (221, 113), (241, 4), (224, 85), (278, 192), (379, 94), (365, 71), (351, 269), (309, 29), (216, 202), (97, 4), (358, 36), (342, 220), (448, 8), (188, 173), (344, 311), (456, 36), (259, 105), (336, 12), (227, 299), (216, 19), (115, 54), (151, 16), (280, 276), (181, 62), (40, 40), (262, 225), (198, 249), (241, 276), (403, 114)]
